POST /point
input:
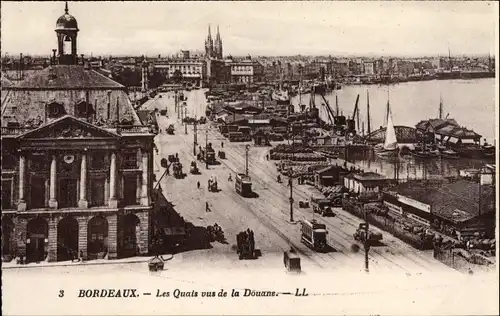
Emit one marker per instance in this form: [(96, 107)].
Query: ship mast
[(337, 104), (368, 111), (440, 107)]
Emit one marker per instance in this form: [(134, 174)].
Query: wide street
[(267, 214)]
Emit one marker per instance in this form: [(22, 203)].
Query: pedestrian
[(206, 207), (81, 256), (168, 170), (198, 184), (230, 179), (222, 144)]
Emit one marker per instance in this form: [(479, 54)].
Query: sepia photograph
[(249, 157)]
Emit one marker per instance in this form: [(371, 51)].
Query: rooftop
[(368, 176), (66, 77), (456, 202)]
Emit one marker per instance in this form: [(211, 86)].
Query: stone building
[(76, 163)]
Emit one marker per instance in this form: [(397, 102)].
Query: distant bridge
[(404, 134)]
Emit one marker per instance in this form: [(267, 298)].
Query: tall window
[(9, 162), (6, 194), (98, 161)]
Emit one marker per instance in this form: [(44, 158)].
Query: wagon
[(291, 261), (156, 264)]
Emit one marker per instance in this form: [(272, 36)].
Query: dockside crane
[(331, 115), (351, 126)]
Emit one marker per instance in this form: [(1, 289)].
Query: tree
[(177, 76)]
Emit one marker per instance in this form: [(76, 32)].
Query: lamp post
[(185, 123), (247, 148), (366, 243), (290, 179), (195, 136), (206, 145)]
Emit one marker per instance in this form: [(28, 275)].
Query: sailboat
[(390, 146)]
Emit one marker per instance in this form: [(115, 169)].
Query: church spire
[(66, 7), (218, 34), (209, 33)]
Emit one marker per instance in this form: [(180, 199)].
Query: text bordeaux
[(118, 293)]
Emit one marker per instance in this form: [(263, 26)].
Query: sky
[(257, 28)]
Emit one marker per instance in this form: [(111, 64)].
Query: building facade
[(192, 70), (246, 71), (77, 164)]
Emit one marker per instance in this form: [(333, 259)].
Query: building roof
[(459, 201), (457, 132), (368, 176), (456, 202), (237, 118), (326, 169), (67, 77)]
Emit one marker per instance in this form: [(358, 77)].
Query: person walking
[(230, 179), (222, 144), (207, 209), (198, 184)]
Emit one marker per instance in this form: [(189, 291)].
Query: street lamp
[(247, 148), (185, 121), (195, 135), (206, 146)]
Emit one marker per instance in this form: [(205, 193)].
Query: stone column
[(112, 235), (143, 240), (83, 225), (145, 179), (21, 206), (83, 202), (113, 201), (53, 183), (52, 237)]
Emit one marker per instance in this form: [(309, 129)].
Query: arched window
[(55, 110), (67, 45)]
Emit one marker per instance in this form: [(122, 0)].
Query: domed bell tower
[(67, 31)]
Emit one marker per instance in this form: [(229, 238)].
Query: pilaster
[(112, 235)]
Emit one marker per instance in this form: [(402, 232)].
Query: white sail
[(390, 134)]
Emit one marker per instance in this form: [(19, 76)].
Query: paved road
[(268, 214)]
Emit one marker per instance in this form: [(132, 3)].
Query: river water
[(470, 102)]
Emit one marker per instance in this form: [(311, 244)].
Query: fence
[(387, 224), (460, 259)]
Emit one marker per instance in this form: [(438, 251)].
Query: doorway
[(68, 193), (67, 239), (37, 233)]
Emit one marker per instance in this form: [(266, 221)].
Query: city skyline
[(252, 28)]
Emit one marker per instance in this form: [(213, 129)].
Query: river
[(470, 102)]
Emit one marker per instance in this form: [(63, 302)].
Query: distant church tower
[(67, 31), (218, 45), (209, 45)]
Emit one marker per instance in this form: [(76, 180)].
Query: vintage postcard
[(244, 158)]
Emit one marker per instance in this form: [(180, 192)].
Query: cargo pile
[(332, 192), (305, 170), (295, 153)]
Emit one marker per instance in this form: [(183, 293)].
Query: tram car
[(313, 234), (243, 185)]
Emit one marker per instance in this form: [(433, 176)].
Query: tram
[(243, 185)]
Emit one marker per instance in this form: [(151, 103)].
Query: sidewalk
[(44, 264)]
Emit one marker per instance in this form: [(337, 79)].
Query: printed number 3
[(61, 293)]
